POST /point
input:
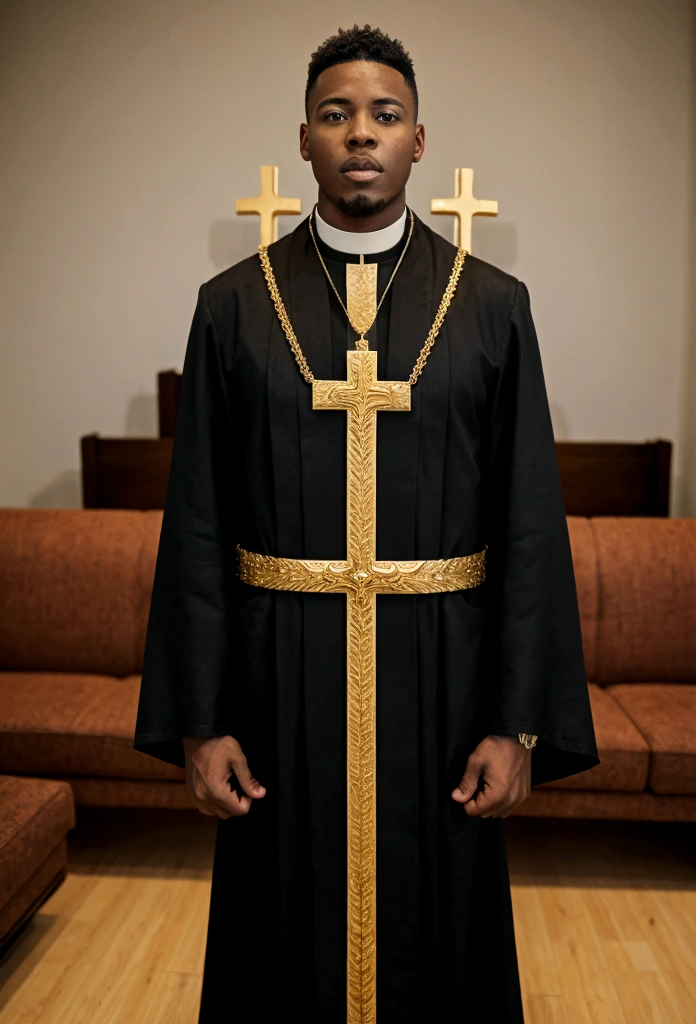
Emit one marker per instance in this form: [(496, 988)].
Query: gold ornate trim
[(361, 298), (326, 577)]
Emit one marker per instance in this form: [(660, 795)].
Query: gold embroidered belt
[(417, 577)]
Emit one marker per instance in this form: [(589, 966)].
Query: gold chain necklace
[(277, 300), (361, 329)]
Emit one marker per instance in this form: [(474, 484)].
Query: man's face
[(362, 140)]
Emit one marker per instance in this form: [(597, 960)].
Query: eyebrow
[(340, 101), (388, 101), (337, 101)]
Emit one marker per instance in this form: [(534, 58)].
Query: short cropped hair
[(361, 44)]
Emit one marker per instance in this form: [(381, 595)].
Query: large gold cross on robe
[(361, 577)]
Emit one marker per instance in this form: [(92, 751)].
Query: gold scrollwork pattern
[(361, 297), (326, 577)]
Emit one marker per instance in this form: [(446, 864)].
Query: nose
[(361, 133)]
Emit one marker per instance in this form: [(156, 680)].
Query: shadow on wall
[(141, 418), (685, 483), (232, 240), (559, 420), (65, 491), (495, 242)]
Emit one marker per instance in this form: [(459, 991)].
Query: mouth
[(362, 175), (361, 170)]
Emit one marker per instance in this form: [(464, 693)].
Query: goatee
[(362, 206)]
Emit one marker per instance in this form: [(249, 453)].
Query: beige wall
[(687, 496), (129, 127)]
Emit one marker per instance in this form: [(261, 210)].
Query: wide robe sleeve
[(185, 687), (537, 675)]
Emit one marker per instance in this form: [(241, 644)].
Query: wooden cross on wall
[(464, 206), (269, 205)]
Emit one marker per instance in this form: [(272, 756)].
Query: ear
[(419, 143), (304, 141)]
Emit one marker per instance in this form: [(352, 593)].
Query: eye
[(387, 117), (335, 115)]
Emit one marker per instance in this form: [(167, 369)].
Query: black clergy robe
[(472, 464)]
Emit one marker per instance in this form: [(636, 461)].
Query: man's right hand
[(209, 765)]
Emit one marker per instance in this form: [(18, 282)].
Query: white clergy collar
[(361, 242)]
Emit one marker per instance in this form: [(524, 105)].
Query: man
[(247, 678)]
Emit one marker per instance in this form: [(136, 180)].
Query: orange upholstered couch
[(74, 598), (636, 582), (74, 595)]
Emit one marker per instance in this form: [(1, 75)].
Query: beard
[(362, 206)]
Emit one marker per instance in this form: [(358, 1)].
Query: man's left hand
[(497, 778)]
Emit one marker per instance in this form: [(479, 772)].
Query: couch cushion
[(32, 893), (58, 724), (35, 815), (582, 542), (75, 589), (665, 713), (647, 583), (623, 753)]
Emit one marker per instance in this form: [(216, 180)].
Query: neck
[(333, 215)]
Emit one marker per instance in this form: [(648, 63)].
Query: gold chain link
[(439, 316), (283, 316), (447, 297)]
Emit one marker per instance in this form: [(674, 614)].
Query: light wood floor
[(605, 916)]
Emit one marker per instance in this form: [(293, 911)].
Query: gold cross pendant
[(361, 295)]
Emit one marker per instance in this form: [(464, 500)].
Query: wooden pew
[(606, 479), (125, 472), (598, 478), (132, 472), (168, 395)]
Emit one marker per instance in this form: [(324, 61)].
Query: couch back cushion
[(646, 628), (75, 589), (584, 548)]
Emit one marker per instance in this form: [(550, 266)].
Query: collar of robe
[(356, 243)]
